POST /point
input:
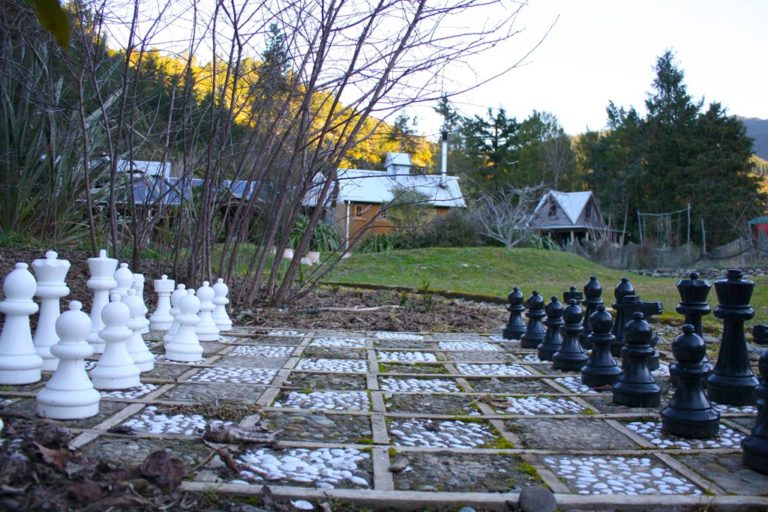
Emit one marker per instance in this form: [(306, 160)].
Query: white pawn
[(185, 346), (70, 395), (138, 350), (179, 293), (124, 280), (115, 369), (19, 361), (138, 285), (50, 273), (206, 329), (102, 280), (161, 319), (220, 301)]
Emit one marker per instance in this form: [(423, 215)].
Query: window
[(359, 210), (383, 213), (588, 213), (552, 208)]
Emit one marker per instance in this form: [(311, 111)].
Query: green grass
[(493, 271)]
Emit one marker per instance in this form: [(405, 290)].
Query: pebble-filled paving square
[(447, 418)]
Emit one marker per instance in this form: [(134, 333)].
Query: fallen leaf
[(164, 469), (55, 457), (84, 492)]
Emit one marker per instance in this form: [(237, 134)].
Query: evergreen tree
[(675, 156)]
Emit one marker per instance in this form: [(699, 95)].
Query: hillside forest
[(286, 95)]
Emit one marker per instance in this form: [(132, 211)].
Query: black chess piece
[(534, 332), (636, 386), (553, 339), (620, 292), (755, 445), (627, 305), (574, 294), (732, 381), (693, 304), (689, 413), (601, 368), (592, 292), (571, 357), (515, 326)]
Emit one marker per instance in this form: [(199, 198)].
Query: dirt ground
[(326, 307)]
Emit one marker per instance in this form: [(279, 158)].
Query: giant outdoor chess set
[(399, 419)]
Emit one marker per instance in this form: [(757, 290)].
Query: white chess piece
[(19, 361), (138, 285), (161, 319), (115, 368), (185, 346), (179, 293), (206, 329), (102, 280), (138, 350), (220, 301), (124, 279), (51, 274), (70, 394)]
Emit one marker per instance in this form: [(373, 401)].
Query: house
[(567, 215), (360, 195)]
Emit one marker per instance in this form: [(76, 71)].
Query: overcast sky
[(602, 50)]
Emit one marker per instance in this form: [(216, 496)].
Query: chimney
[(444, 157)]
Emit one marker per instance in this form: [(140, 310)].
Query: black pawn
[(515, 326), (755, 446), (693, 304), (689, 413), (601, 368), (592, 292), (636, 387), (732, 381), (571, 357), (552, 339), (534, 332), (623, 292)]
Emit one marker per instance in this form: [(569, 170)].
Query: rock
[(536, 499), (302, 505)]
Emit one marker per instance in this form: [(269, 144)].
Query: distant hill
[(757, 130)]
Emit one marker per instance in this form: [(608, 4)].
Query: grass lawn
[(494, 271)]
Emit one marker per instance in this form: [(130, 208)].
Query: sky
[(603, 50)]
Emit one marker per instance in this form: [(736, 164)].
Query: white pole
[(346, 230), (444, 157)]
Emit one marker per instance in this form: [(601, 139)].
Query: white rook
[(19, 362), (161, 319), (51, 287)]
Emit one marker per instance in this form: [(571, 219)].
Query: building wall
[(360, 214)]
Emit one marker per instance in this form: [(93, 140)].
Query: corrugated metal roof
[(376, 187)]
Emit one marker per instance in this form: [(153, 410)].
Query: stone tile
[(318, 427), (214, 393), (461, 472), (574, 433)]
